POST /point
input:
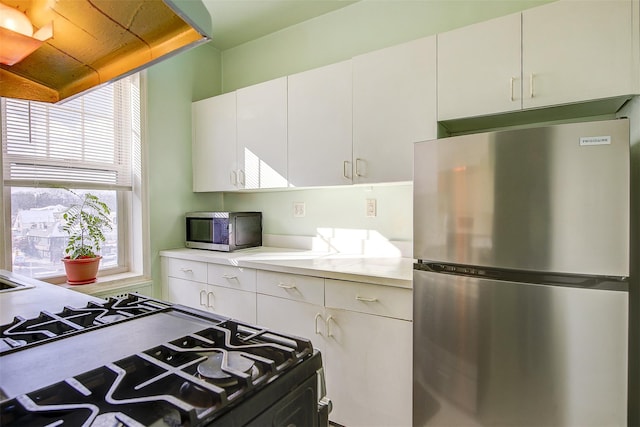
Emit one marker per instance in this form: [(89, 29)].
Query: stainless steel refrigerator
[(521, 284)]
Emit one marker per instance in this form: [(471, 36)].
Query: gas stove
[(137, 361)]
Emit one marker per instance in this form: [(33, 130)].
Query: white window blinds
[(83, 143)]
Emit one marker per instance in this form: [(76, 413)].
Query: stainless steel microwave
[(223, 231)]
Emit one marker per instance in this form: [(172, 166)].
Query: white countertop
[(39, 296), (390, 271)]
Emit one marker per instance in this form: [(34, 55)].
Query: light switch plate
[(372, 209)]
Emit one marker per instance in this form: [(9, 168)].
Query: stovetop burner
[(191, 379)]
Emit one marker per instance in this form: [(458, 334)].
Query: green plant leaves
[(85, 223)]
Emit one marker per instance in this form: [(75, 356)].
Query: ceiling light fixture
[(17, 39)]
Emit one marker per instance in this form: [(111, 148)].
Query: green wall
[(204, 72), (359, 28), (171, 87)]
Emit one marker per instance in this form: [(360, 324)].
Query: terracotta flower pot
[(81, 271)]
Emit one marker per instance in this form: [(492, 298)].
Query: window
[(91, 143)]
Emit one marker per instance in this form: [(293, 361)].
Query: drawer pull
[(365, 299), (186, 270), (229, 276), (203, 293), (210, 296), (285, 286), (318, 316)]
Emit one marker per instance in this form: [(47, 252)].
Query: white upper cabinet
[(479, 69), (394, 105), (320, 126), (214, 143), (559, 53), (577, 51), (262, 135)]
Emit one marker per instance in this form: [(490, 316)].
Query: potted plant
[(85, 223)]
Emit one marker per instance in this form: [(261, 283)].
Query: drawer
[(230, 276), (368, 298), (188, 270), (291, 286)]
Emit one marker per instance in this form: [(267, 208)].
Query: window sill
[(115, 285)]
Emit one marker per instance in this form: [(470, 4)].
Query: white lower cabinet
[(239, 305), (366, 354), (226, 290)]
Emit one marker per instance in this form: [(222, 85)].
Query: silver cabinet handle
[(318, 316), (328, 323), (229, 276), (511, 81), (364, 299), (284, 286), (233, 178), (186, 270), (359, 169), (211, 296), (531, 85), (346, 165), (203, 293)]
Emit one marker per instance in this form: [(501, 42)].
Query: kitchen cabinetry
[(214, 143), (226, 290), (577, 51), (559, 53), (240, 139), (479, 69), (262, 135), (364, 333), (232, 291), (320, 126), (368, 350), (394, 105)]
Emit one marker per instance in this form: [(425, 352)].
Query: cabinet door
[(294, 317), (239, 305), (187, 292), (479, 69), (214, 143), (394, 105), (368, 369), (262, 135), (320, 126), (577, 50)]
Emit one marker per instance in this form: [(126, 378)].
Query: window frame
[(132, 211)]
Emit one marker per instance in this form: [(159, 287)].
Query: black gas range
[(138, 361)]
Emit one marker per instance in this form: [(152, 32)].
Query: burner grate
[(48, 326), (164, 384)]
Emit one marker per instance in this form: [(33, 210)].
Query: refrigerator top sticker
[(595, 140)]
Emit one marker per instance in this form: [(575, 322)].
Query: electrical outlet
[(299, 209), (372, 210)]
